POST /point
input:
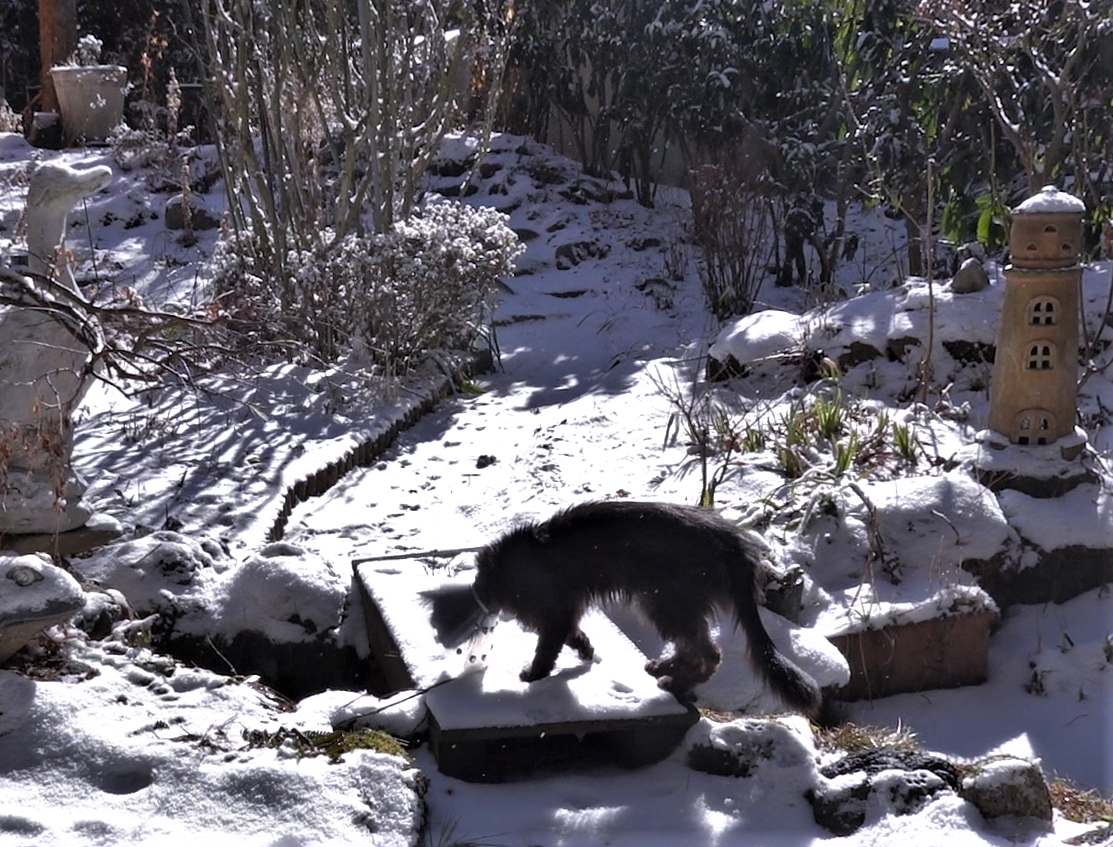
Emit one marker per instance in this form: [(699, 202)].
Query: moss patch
[(333, 744)]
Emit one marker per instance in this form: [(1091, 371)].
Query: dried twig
[(423, 554)]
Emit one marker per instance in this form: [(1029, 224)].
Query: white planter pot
[(91, 100)]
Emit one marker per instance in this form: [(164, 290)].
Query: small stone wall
[(368, 451)]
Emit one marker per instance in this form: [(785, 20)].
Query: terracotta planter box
[(936, 653), (91, 100)]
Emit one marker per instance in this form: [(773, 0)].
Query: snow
[(759, 336), (574, 691), (859, 611), (1084, 520), (135, 749), (1050, 199), (121, 745)]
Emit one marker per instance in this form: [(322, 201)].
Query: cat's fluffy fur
[(677, 563)]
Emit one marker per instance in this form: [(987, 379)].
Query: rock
[(905, 792), (102, 611), (660, 291), (741, 747), (451, 167), (1008, 786), (199, 216), (897, 348), (728, 367), (970, 277), (876, 760), (839, 805), (455, 190), (571, 254), (281, 548), (34, 595), (586, 190), (784, 592), (885, 780), (970, 352), (46, 130), (971, 249)]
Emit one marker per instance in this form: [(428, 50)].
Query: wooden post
[(57, 42)]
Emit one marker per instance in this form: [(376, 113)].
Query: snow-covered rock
[(1007, 785)]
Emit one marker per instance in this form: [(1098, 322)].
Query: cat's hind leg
[(695, 656)]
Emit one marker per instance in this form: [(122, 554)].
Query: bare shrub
[(9, 120), (323, 151), (733, 224)]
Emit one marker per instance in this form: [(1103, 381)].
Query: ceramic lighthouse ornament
[(1035, 373)]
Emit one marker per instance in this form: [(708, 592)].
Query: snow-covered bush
[(244, 291), (88, 51), (425, 285), (388, 298)]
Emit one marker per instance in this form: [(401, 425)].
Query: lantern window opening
[(1041, 356), (1033, 426), (1042, 311)]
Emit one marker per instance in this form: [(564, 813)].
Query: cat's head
[(455, 613)]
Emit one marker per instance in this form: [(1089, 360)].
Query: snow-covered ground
[(108, 742)]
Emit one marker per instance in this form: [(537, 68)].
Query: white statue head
[(55, 189)]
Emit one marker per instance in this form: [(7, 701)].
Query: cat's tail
[(454, 612), (791, 684)]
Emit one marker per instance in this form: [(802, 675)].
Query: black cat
[(677, 563)]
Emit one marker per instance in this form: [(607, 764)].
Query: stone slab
[(97, 531)]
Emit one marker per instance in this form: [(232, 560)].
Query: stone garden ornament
[(48, 336)]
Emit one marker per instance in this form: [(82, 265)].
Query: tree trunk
[(57, 42)]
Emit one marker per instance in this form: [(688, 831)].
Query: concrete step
[(487, 725)]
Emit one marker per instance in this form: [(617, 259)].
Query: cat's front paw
[(677, 688), (530, 675), (581, 644)]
